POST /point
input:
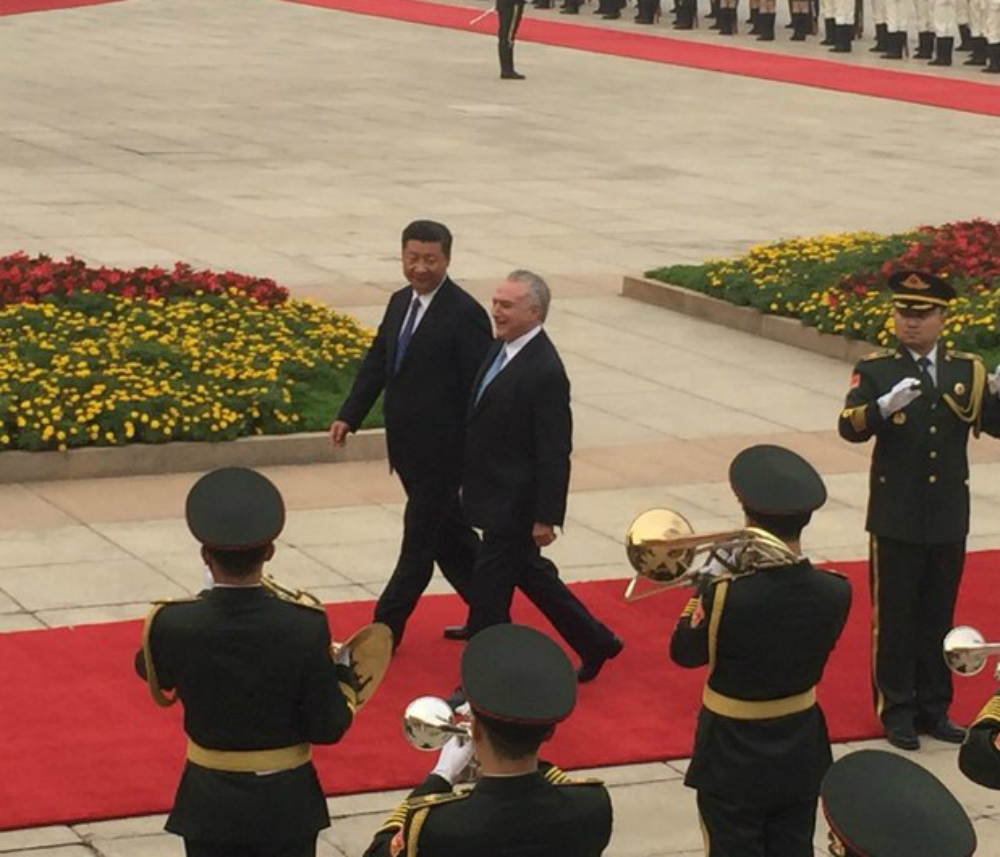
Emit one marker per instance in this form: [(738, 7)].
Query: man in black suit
[(517, 462), (255, 675), (519, 684), (424, 357)]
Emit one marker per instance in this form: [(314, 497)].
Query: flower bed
[(837, 283), (101, 357)]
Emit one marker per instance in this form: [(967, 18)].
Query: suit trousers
[(914, 588), (297, 848), (509, 560), (509, 14), (733, 829), (434, 530)]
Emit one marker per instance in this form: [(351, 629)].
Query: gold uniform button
[(881, 479), (933, 429), (933, 454), (932, 479)]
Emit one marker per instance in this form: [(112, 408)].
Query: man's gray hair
[(537, 289)]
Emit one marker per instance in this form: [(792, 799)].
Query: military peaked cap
[(916, 290), (776, 481), (235, 508), (879, 804), (517, 674)]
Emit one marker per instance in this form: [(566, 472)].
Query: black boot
[(752, 17), (765, 24), (966, 44), (713, 9), (603, 7), (978, 51), (925, 46), (685, 15), (542, 4), (800, 26), (844, 34), (896, 46), (507, 63), (881, 45), (992, 58), (829, 31), (570, 7), (944, 47), (646, 11), (726, 20)]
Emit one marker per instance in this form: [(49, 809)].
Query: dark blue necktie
[(407, 333), (491, 373), (925, 372)]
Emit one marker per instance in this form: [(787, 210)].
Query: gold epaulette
[(159, 697), (690, 607), (559, 777), (304, 604), (398, 819), (990, 712), (879, 354), (964, 355)]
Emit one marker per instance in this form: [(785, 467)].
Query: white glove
[(899, 396), (456, 756), (207, 578), (344, 657), (994, 381)]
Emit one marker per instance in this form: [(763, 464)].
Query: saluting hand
[(899, 396)]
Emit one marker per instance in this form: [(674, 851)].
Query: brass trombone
[(664, 550), (966, 651), (430, 721)]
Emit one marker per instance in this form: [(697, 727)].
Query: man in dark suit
[(517, 463), (761, 746), (919, 401), (519, 806), (257, 681), (424, 357)]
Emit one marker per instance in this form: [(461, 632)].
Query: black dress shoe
[(589, 670), (456, 632), (945, 730), (511, 75), (903, 738)]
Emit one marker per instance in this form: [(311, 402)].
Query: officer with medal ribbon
[(519, 685), (920, 401), (255, 675), (979, 756), (761, 746), (879, 804)]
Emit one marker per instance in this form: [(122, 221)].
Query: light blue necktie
[(407, 333), (492, 372)]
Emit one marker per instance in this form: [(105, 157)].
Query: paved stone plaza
[(293, 142)]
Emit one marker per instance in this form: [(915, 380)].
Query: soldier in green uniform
[(257, 681), (519, 684), (761, 746), (979, 757), (919, 401), (879, 804)]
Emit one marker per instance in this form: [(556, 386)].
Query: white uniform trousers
[(897, 14), (992, 28), (878, 11), (922, 16), (962, 12), (843, 12), (977, 17), (944, 19)]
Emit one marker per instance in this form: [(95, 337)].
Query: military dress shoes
[(903, 738), (511, 75), (456, 632), (945, 730), (590, 669)]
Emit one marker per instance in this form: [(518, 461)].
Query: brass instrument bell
[(966, 651), (430, 721)]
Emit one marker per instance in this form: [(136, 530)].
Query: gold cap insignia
[(959, 388), (899, 418), (916, 283)]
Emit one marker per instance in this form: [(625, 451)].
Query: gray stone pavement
[(294, 142)]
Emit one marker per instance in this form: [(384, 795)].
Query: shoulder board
[(166, 602), (880, 354), (832, 572), (439, 799), (560, 778), (963, 355), (308, 606)]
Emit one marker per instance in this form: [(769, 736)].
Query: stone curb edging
[(187, 456), (787, 330)]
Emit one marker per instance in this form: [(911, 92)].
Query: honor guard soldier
[(255, 675), (519, 684), (509, 15), (979, 757), (881, 805), (919, 401), (761, 746)]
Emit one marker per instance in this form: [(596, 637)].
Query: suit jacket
[(546, 814), (979, 758), (253, 673), (425, 400), (919, 482), (775, 630), (518, 442)]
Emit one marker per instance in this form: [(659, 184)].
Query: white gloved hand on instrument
[(993, 381), (455, 758), (899, 397)]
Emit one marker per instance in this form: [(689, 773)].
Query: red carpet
[(16, 7), (925, 89), (82, 740)]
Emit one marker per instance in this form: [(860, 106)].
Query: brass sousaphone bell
[(665, 552), (430, 721), (370, 647), (966, 651)]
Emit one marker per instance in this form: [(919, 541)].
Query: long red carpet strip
[(81, 740), (17, 7), (933, 91)]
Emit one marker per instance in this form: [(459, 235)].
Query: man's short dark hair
[(239, 563), (514, 740), (787, 527), (429, 232)]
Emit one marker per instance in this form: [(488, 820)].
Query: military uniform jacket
[(979, 758), (774, 631), (919, 484), (545, 814), (254, 673)]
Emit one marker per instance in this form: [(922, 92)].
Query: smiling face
[(918, 330), (514, 312), (425, 265)]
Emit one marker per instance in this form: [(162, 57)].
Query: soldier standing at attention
[(509, 14), (919, 401)]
